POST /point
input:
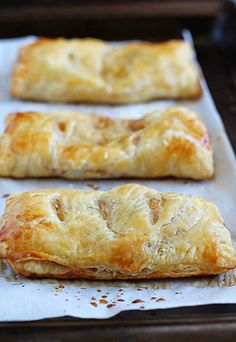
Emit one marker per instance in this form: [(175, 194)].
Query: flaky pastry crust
[(170, 142), (129, 232), (90, 70)]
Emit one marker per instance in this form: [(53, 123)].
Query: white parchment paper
[(25, 299)]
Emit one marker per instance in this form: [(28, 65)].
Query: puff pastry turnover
[(171, 142), (128, 232), (91, 70)]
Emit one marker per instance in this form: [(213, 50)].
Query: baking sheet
[(25, 299)]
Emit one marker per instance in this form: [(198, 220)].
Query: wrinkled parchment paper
[(26, 299)]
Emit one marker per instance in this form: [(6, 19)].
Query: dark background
[(213, 26)]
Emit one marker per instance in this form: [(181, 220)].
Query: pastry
[(91, 70), (129, 232), (169, 142)]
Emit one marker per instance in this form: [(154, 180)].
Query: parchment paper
[(25, 299)]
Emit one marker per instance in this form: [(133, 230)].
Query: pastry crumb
[(161, 299), (137, 301), (93, 186)]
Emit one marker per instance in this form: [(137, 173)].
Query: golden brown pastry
[(129, 232), (171, 142), (91, 70)]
